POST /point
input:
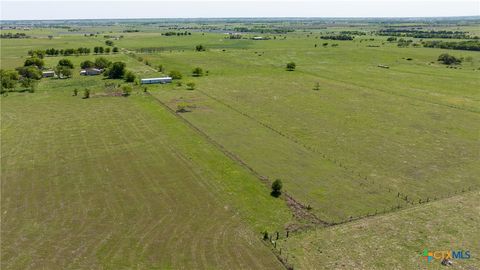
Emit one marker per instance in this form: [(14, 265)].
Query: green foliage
[(116, 70), (63, 71), (86, 93), (176, 75), (115, 50), (87, 64), (447, 59), (28, 83), (107, 50), (31, 72), (317, 86), (65, 63), (276, 188), (183, 107), (160, 68), (75, 92), (291, 66), (190, 86), (9, 79), (102, 62), (34, 61), (126, 90), (129, 76), (109, 43), (200, 48), (197, 72)]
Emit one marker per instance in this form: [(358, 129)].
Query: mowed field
[(121, 183), (116, 183)]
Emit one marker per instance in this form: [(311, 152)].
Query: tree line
[(71, 51), (468, 45), (425, 34), (338, 37), (14, 35)]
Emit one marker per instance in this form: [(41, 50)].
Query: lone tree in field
[(447, 59), (317, 86), (197, 72), (276, 188), (291, 66), (200, 48)]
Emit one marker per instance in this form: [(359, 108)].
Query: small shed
[(48, 74), (156, 80), (91, 71)]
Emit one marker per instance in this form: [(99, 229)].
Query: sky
[(90, 9)]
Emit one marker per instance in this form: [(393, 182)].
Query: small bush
[(129, 76), (86, 93), (197, 72), (176, 75), (276, 188), (291, 66), (190, 86)]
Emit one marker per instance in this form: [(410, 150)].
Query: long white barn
[(156, 80)]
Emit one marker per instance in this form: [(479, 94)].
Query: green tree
[(129, 76), (108, 42), (115, 50), (107, 50), (197, 72), (317, 86), (102, 62), (9, 79), (34, 61), (63, 71), (176, 75), (87, 64), (65, 63), (200, 48), (30, 72), (75, 92), (116, 70), (277, 188), (29, 84), (291, 66)]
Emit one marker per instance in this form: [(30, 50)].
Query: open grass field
[(115, 182)]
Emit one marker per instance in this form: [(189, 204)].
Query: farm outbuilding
[(156, 80), (48, 73), (91, 71)]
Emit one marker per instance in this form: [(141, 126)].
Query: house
[(156, 80), (91, 71), (48, 74)]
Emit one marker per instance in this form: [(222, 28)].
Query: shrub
[(129, 76), (176, 75), (200, 48), (190, 86), (102, 62), (126, 90), (86, 93), (276, 188), (197, 72), (34, 61), (116, 71), (447, 59), (291, 66)]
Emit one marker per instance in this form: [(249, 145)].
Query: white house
[(156, 80), (91, 71), (48, 73)]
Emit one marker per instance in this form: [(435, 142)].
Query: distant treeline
[(263, 30), (353, 33), (171, 33), (131, 30), (338, 37), (469, 45), (68, 52), (424, 34), (12, 35)]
